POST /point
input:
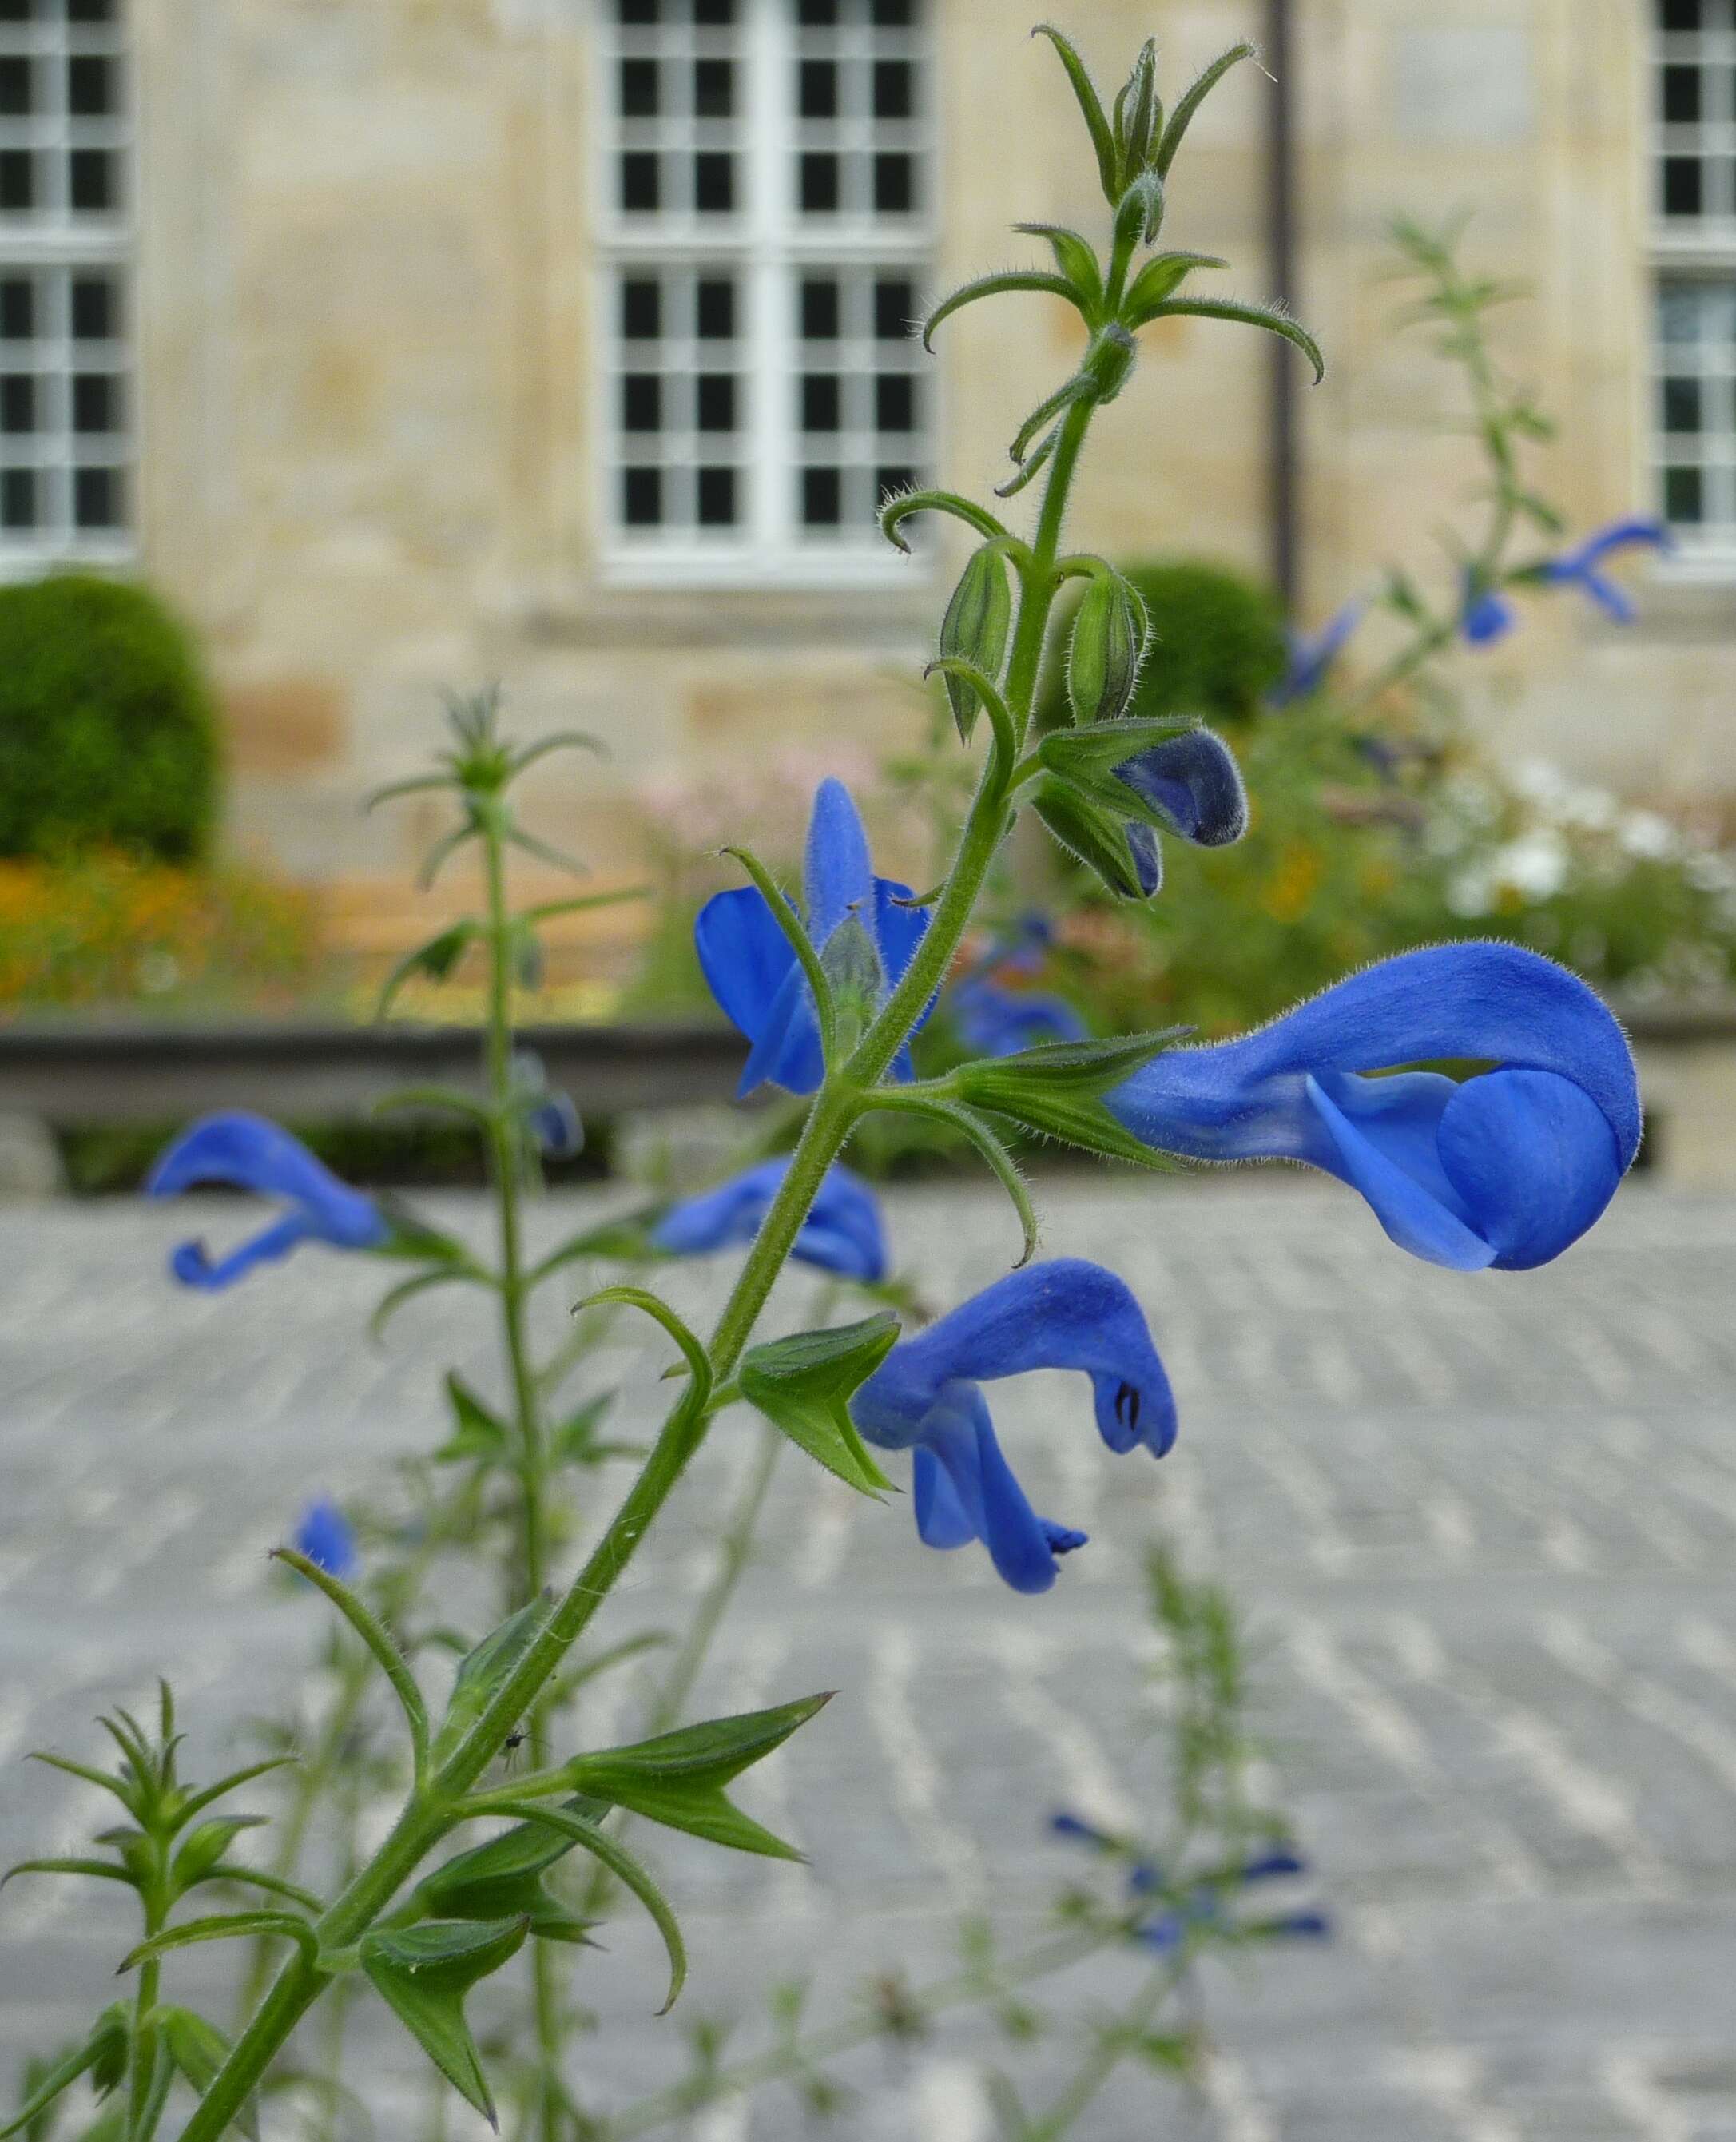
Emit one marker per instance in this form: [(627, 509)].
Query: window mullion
[(773, 417)]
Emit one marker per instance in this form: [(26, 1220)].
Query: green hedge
[(108, 738)]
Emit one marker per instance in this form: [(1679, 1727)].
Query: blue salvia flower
[(926, 1397), (326, 1537), (1312, 657), (249, 1152), (1579, 566), (755, 975), (1506, 1169), (842, 1232), (554, 1123), (992, 1021), (1192, 779), (1486, 614)]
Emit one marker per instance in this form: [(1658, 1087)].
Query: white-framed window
[(66, 335), (766, 201), (1694, 261)]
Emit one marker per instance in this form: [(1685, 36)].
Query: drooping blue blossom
[(1486, 616), (1192, 780), (249, 1152), (555, 1124), (993, 1020), (327, 1538), (1581, 566), (1506, 1169), (926, 1397), (842, 1232), (754, 973), (1312, 657)]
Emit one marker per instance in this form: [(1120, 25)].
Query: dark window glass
[(97, 498), (714, 14), (820, 402), (714, 307), (96, 403), (1681, 95), (15, 10), (819, 183), (894, 308), (641, 310), (893, 478), (892, 89), (639, 10), (1681, 14), (90, 11), (91, 179), (17, 179), (717, 498), (639, 89), (14, 84), (18, 309), (895, 402), (713, 89), (892, 14), (817, 89), (642, 497), (1683, 494), (642, 401), (17, 498), (714, 401), (96, 308), (818, 14), (895, 184), (823, 497), (1683, 191), (18, 402), (819, 309), (713, 183), (640, 191), (92, 89), (1681, 404)]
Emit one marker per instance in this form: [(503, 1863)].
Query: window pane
[(91, 175), (821, 402), (97, 498), (641, 188), (18, 309), (15, 101), (895, 401), (817, 89), (819, 310), (1681, 14), (713, 89), (823, 497), (641, 310), (713, 184), (714, 402), (642, 401), (96, 308), (1683, 496), (640, 89), (717, 498), (715, 311), (642, 497), (894, 308), (1681, 404), (1684, 193), (893, 89), (92, 87), (819, 183), (18, 402), (17, 181), (1680, 97), (96, 403), (18, 500), (895, 187)]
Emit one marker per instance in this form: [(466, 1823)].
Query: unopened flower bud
[(975, 628), (1107, 646), (1139, 114)]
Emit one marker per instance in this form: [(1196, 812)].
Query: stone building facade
[(563, 341)]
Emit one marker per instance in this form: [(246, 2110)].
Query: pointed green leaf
[(993, 286), (693, 1348), (197, 1802), (1160, 277), (1075, 259), (983, 1136), (900, 507), (108, 2041), (546, 853), (614, 1855), (1075, 1067), (803, 1384), (436, 959), (1272, 317), (229, 1926), (1091, 105), (121, 1788), (679, 1778), (101, 1870), (377, 1638), (481, 1433), (503, 1879), (1190, 100), (558, 740), (423, 1974), (273, 1885), (795, 935), (1096, 836), (198, 2049), (205, 1844), (487, 1669), (406, 1289)]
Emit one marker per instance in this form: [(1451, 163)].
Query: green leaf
[(436, 959), (481, 1435), (626, 1869), (423, 1974), (205, 1845), (983, 1136), (679, 1778), (121, 1788), (1272, 317), (1096, 836), (575, 1441), (484, 1671), (1077, 261), (795, 934), (544, 852), (1160, 277), (109, 2040), (803, 1384), (374, 1634), (503, 1879), (198, 2049), (993, 286), (406, 1289), (1091, 105), (229, 1926), (1139, 113), (900, 507), (653, 1306), (101, 1870), (273, 1885), (197, 1802), (1190, 100)]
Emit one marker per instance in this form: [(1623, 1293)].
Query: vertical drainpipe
[(1284, 476)]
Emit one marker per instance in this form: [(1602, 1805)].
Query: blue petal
[(1534, 1159), (1311, 660), (745, 956), (965, 1490), (191, 1263), (555, 1126), (1018, 1541), (838, 877), (250, 1153), (1617, 535), (786, 1051), (1193, 779), (325, 1536), (993, 1021), (1416, 1208), (942, 1520), (1147, 857), (1487, 617), (841, 1234)]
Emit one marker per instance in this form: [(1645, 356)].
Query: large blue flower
[(926, 1397), (1311, 658), (754, 973), (1506, 1170), (1581, 566), (251, 1153), (842, 1232)]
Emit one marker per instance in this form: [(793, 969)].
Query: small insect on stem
[(511, 1745)]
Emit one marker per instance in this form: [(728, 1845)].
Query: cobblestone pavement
[(1483, 1528)]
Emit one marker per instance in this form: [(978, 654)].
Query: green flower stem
[(836, 1108), (145, 2050)]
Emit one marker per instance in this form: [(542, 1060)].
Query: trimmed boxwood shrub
[(1217, 647), (108, 738)]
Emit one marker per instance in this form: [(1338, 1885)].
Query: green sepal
[(1110, 633), (1160, 277), (1190, 100), (1088, 754), (103, 2056), (436, 959), (1058, 1090), (1272, 317), (503, 1879), (483, 1671), (423, 1973), (481, 1435), (1093, 836), (1138, 116), (679, 1778), (977, 620), (1091, 105), (803, 1384), (198, 2049), (1139, 213)]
